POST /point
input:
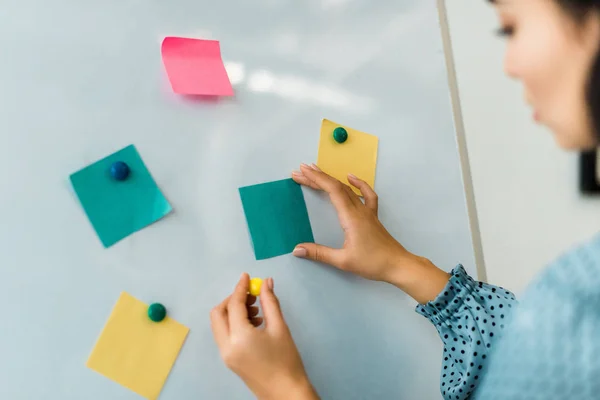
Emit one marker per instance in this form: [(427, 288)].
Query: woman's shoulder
[(576, 272), (545, 352), (566, 290)]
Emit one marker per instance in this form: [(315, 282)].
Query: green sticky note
[(115, 208), (277, 217)]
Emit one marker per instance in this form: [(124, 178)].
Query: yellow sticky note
[(135, 351), (357, 155)]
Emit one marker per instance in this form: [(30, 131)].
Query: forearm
[(303, 392), (419, 278), (467, 309), (289, 390)]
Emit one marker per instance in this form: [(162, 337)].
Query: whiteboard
[(80, 80)]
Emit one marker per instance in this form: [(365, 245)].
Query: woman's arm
[(420, 279), (469, 316)]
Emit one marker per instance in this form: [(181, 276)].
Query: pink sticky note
[(195, 67)]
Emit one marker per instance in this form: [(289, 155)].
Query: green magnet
[(157, 312), (340, 135)]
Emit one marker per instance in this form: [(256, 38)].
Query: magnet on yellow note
[(356, 155), (157, 312), (340, 135), (135, 351), (255, 285)]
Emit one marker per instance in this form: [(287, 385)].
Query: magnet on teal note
[(119, 204), (119, 170)]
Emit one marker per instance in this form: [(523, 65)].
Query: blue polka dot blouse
[(547, 347)]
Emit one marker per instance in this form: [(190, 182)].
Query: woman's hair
[(580, 10)]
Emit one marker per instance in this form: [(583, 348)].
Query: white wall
[(525, 187)]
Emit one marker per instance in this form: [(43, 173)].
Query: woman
[(549, 346)]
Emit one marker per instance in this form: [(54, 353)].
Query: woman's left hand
[(369, 250)]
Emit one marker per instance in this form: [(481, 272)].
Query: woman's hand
[(369, 250), (265, 358)]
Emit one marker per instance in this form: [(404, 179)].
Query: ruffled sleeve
[(469, 317)]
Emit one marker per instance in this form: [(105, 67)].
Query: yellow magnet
[(255, 285)]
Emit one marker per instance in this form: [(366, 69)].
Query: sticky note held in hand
[(195, 67), (277, 217)]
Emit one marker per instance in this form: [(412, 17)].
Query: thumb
[(270, 306), (320, 253)]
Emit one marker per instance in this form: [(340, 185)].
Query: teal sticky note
[(115, 208), (277, 217)]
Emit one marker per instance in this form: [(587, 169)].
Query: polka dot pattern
[(551, 350), (469, 317)]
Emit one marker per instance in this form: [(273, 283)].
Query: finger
[(271, 308), (236, 307), (256, 321), (334, 188), (220, 324), (371, 198), (320, 253), (300, 179), (353, 196), (252, 312), (250, 300)]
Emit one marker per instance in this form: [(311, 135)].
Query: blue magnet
[(119, 170)]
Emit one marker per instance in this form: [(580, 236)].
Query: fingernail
[(300, 252), (270, 283), (352, 176), (314, 166), (304, 165), (297, 173)]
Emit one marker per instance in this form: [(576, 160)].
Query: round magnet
[(157, 312), (255, 285), (340, 135), (119, 170)]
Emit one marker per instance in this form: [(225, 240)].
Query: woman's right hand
[(369, 250), (266, 357)]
